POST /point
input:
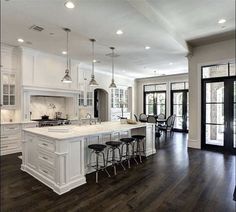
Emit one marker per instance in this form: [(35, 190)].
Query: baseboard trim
[(196, 144)]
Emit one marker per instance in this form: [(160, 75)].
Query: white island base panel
[(59, 158)]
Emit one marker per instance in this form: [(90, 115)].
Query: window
[(155, 99), (221, 70)]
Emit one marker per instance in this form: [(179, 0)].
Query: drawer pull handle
[(45, 158), (45, 144), (45, 171), (12, 128), (4, 146), (4, 136)]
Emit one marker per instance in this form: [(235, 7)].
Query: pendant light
[(112, 85), (67, 78), (93, 82)]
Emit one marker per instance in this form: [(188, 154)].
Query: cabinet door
[(9, 89)]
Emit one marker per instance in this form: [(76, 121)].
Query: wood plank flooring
[(175, 179)]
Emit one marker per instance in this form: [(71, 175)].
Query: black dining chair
[(161, 116), (151, 119), (168, 126), (143, 117), (136, 117)]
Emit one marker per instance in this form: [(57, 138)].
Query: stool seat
[(127, 140), (113, 143), (139, 137), (97, 147)]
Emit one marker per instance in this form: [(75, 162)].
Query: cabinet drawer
[(46, 158), (10, 129), (46, 170), (10, 137), (46, 145), (9, 146)]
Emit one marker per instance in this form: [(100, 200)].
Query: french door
[(155, 102), (179, 107), (219, 114)]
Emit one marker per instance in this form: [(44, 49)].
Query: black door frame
[(185, 105), (228, 114), (152, 92)]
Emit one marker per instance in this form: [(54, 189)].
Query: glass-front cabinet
[(8, 97), (85, 99)]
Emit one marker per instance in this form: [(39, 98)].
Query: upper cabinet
[(46, 70), (9, 58), (9, 76), (8, 90)]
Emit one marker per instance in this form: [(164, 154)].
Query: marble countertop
[(73, 131), (19, 122)]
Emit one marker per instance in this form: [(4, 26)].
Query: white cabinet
[(10, 138), (85, 99), (8, 88)]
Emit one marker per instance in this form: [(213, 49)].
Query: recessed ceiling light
[(64, 52), (124, 71), (221, 21), (94, 61), (147, 47), (119, 32), (69, 5), (170, 63), (20, 40)]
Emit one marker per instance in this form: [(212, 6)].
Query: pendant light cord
[(67, 49), (112, 63), (93, 58)]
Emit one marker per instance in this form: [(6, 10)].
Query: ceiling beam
[(155, 17)]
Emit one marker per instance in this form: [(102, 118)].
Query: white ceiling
[(164, 25)]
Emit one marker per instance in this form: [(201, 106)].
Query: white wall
[(203, 55), (139, 83)]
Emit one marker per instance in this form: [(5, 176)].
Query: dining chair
[(151, 119), (143, 117), (161, 116), (136, 117), (167, 127)]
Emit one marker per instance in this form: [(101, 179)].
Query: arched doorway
[(101, 104)]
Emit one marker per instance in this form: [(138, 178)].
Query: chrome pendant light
[(67, 77), (93, 82), (112, 85)]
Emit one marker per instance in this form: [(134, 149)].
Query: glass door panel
[(155, 103), (214, 115), (180, 109)]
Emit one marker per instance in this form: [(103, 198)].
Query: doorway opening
[(219, 107), (101, 104)]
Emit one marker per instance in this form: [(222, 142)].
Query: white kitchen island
[(58, 156)]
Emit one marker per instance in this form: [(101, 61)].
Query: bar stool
[(113, 146), (139, 140), (128, 142), (98, 149)]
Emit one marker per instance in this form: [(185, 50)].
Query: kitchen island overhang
[(59, 156)]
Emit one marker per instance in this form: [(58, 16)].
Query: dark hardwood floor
[(175, 179)]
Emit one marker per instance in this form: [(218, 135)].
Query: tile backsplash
[(46, 105), (7, 115)]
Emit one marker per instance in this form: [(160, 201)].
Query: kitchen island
[(59, 156)]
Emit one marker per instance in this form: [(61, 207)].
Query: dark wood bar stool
[(113, 147), (139, 141), (129, 144), (98, 149)]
